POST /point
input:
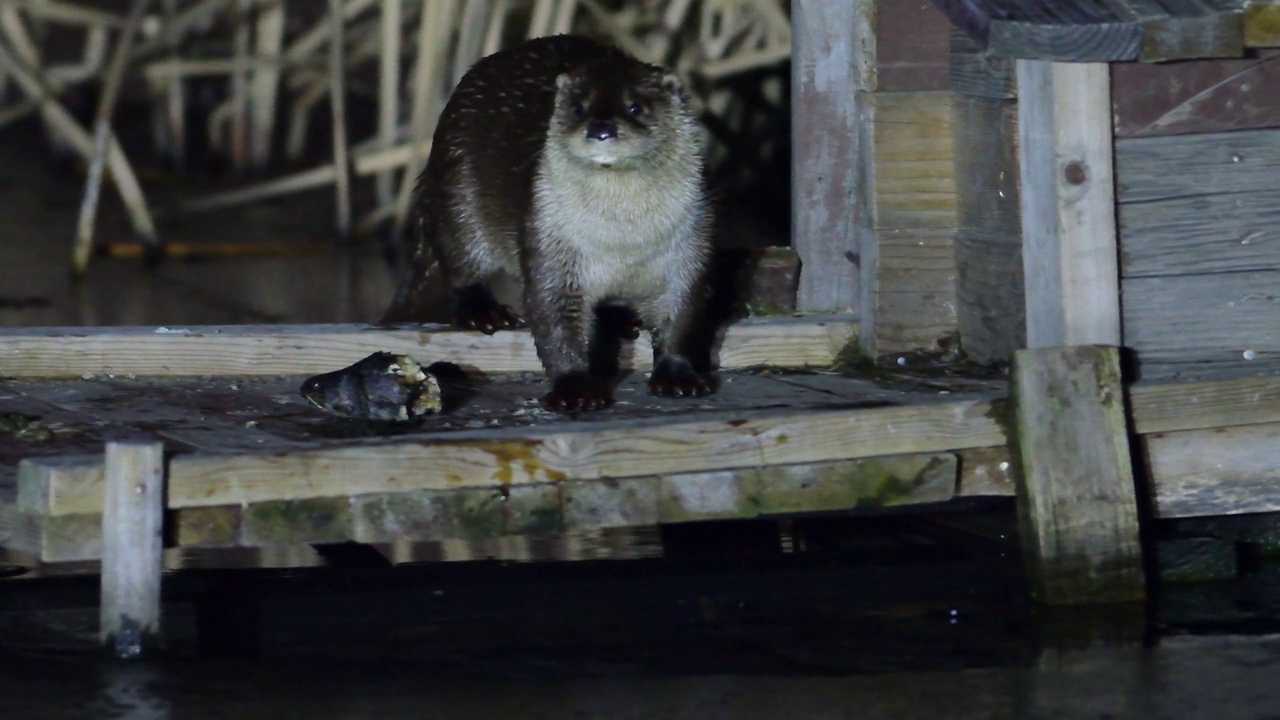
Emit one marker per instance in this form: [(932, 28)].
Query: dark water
[(878, 617)]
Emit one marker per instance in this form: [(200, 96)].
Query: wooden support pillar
[(132, 524), (338, 107), (1070, 258), (832, 43), (1076, 497)]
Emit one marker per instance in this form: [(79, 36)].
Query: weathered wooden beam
[(311, 349), (833, 49), (486, 513), (494, 459), (1068, 204), (1117, 30), (132, 527), (1221, 471), (1195, 97), (1076, 494), (988, 252), (1193, 326), (1262, 23), (1172, 407)]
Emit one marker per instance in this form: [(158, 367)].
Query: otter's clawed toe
[(677, 378), (488, 320), (578, 393)]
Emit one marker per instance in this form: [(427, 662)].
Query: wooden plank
[(1172, 407), (1196, 97), (916, 294), (132, 527), (975, 73), (1262, 23), (1201, 234), (1068, 204), (833, 51), (986, 472), (1182, 166), (1076, 494), (914, 185), (990, 295), (311, 349), (497, 458), (1187, 29), (1191, 325), (911, 47), (1117, 30), (1218, 471)]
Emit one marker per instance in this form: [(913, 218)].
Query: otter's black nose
[(602, 130)]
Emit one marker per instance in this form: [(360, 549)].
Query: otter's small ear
[(562, 81), (673, 87)]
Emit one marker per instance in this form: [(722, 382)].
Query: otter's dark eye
[(579, 110), (636, 109)]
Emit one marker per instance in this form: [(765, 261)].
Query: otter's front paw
[(486, 315), (673, 377), (578, 392)]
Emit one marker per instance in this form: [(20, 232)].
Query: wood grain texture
[(537, 509), (1077, 499), (911, 46), (916, 295), (833, 54), (1196, 97), (132, 540), (1193, 325), (990, 299), (1167, 407), (990, 290), (975, 73), (1220, 471), (1183, 166), (523, 456), (986, 472), (1070, 257), (1201, 234), (1115, 30), (309, 349), (915, 184)]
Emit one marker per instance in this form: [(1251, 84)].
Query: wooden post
[(338, 105), (1070, 258), (101, 136), (132, 520), (1076, 496), (389, 91), (832, 44)]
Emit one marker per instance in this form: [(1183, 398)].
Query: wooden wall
[(912, 196), (1198, 191), (1197, 157)]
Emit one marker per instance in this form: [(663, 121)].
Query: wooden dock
[(251, 464)]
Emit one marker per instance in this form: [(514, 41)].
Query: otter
[(576, 171)]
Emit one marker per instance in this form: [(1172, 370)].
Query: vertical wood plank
[(833, 44), (1076, 497), (338, 106), (1068, 203), (132, 558), (388, 91)]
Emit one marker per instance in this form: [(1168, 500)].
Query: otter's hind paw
[(478, 310), (676, 378)]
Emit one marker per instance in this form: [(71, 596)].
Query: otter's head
[(618, 113)]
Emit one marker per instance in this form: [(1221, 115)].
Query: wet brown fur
[(514, 185)]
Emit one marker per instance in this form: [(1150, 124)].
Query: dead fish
[(383, 386)]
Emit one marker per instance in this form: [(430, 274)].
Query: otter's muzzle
[(602, 130)]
